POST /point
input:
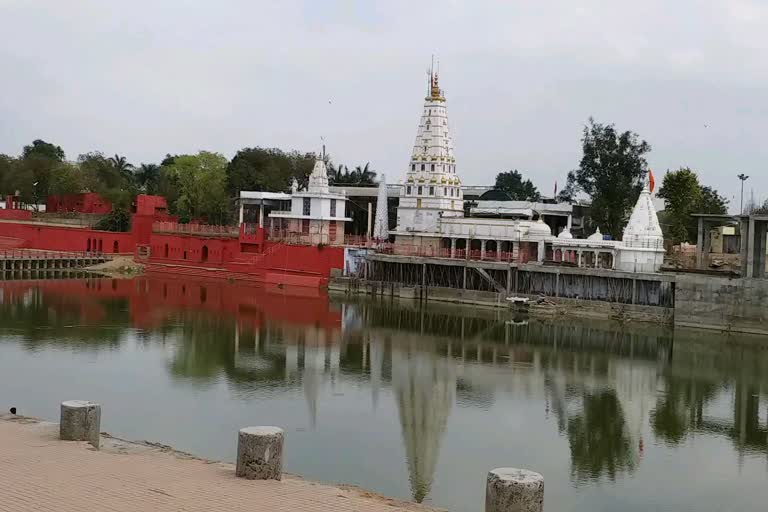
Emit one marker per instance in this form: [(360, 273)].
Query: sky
[(146, 78)]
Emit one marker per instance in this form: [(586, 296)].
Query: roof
[(259, 195)]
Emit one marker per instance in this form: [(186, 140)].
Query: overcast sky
[(145, 78)]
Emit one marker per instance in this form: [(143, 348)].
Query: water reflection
[(604, 387)]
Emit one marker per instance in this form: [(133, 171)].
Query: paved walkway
[(40, 473)]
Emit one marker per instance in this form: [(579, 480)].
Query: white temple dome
[(539, 228), (597, 236), (643, 229), (565, 234)]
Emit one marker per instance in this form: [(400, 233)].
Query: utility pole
[(743, 177)]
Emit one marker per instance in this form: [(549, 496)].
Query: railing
[(32, 254), (194, 229)]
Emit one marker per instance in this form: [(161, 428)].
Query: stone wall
[(722, 303)]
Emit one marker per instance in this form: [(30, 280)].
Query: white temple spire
[(381, 225)]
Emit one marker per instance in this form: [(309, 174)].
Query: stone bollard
[(514, 490), (80, 421), (260, 453)]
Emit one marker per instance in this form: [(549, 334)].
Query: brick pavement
[(40, 473)]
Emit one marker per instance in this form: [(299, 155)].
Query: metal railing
[(32, 254), (194, 229)]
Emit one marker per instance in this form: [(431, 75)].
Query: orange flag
[(651, 180)]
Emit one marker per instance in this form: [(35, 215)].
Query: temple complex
[(431, 219)]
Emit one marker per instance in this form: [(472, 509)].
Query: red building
[(88, 202)]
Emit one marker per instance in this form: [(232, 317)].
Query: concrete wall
[(721, 303)]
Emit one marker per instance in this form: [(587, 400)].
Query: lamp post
[(743, 177)]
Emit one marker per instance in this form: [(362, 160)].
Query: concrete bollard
[(514, 490), (80, 421), (260, 453)]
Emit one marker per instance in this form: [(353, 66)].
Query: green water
[(412, 403)]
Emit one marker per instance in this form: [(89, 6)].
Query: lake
[(415, 403)]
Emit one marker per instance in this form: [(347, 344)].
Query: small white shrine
[(317, 215)]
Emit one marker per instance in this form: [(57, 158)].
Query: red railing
[(32, 254), (194, 229)]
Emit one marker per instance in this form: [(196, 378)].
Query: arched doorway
[(101, 245), (204, 254), (491, 247), (166, 250), (88, 248), (115, 247)]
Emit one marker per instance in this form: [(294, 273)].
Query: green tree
[(267, 169), (202, 186), (610, 173), (568, 193), (122, 166), (6, 168), (42, 149), (147, 178), (518, 189), (682, 194), (66, 178)]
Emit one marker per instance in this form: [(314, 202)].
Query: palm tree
[(147, 177), (121, 165)]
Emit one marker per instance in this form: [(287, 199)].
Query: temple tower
[(432, 186)]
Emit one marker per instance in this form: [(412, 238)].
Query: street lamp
[(743, 177)]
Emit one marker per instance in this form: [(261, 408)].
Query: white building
[(317, 215), (431, 222), (432, 188)]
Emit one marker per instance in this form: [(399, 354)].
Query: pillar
[(453, 247), (260, 453), (700, 244), (569, 222), (241, 214), (370, 219), (261, 214), (751, 248), (482, 249), (466, 248), (542, 251), (514, 490), (80, 421), (578, 259), (597, 259), (498, 250)]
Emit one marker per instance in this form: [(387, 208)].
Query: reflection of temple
[(425, 387)]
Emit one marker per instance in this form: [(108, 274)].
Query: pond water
[(415, 403)]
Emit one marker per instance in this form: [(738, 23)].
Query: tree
[(122, 166), (202, 186), (512, 183), (568, 193), (682, 195), (6, 168), (360, 176), (267, 169), (610, 173), (40, 148), (147, 177), (712, 202), (66, 178)]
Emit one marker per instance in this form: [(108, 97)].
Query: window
[(333, 207), (432, 168), (307, 206), (418, 203), (423, 165), (431, 191), (413, 167), (408, 190), (445, 191), (305, 226), (418, 192)]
